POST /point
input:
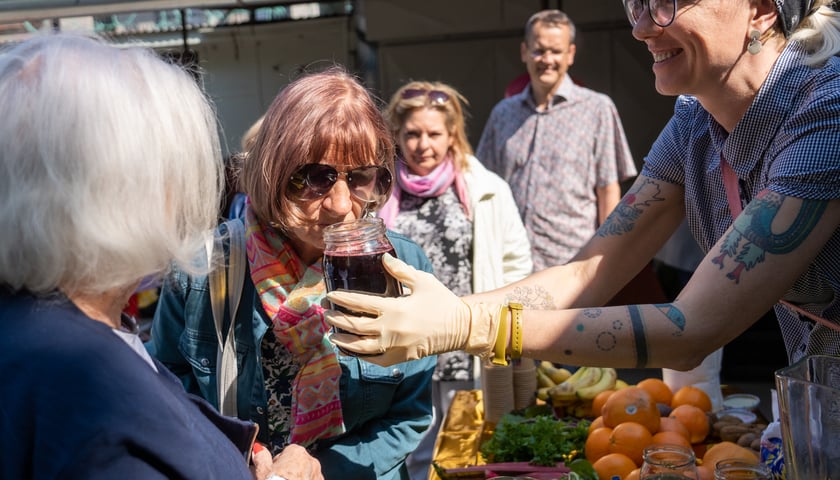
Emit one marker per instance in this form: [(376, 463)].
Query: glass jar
[(353, 258), (668, 462), (735, 469)]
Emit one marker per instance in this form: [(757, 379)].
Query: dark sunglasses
[(435, 96), (314, 180)]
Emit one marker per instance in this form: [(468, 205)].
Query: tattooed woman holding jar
[(755, 128)]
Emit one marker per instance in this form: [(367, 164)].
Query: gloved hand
[(428, 321)]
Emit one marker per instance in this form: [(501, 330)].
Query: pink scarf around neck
[(432, 185)]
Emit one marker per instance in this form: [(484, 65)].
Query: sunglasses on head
[(435, 96), (314, 180)]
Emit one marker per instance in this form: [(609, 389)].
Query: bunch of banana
[(574, 394), (548, 375)]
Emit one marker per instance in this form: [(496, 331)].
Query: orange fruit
[(630, 438), (634, 475), (631, 404), (613, 465), (727, 450), (597, 423), (599, 401), (670, 437), (691, 395), (597, 444), (659, 390), (694, 419), (668, 424)]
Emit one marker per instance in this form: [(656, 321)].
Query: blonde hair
[(251, 134), (111, 166), (400, 108), (819, 33)]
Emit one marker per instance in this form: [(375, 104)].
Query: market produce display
[(649, 413), (588, 424)]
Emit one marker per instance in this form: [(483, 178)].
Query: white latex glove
[(429, 321)]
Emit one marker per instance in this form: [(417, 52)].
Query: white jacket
[(501, 250)]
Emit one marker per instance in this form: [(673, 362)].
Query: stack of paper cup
[(524, 383), (497, 389)]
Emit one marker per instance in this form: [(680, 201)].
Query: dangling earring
[(754, 46)]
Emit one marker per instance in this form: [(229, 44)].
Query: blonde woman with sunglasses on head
[(462, 215), (322, 155), (750, 158)]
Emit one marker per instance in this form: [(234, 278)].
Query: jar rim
[(354, 224), (676, 455)]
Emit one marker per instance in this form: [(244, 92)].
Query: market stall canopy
[(21, 10)]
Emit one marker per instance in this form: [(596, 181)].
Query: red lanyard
[(733, 197)]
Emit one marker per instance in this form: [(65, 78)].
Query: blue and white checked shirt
[(787, 142)]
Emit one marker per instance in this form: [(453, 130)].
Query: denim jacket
[(386, 410)]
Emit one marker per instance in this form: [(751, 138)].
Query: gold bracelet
[(499, 356), (515, 330)]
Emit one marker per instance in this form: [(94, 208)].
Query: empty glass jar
[(741, 470), (668, 462)]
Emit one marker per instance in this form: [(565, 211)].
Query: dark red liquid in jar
[(353, 260), (360, 273)]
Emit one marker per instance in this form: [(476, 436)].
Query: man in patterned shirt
[(560, 146)]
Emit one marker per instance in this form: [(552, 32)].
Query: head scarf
[(792, 13)]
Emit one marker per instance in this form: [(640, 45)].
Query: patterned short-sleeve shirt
[(788, 142), (554, 160)]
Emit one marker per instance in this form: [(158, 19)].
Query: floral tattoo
[(533, 298), (630, 208)]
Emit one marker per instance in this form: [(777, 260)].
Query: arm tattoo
[(532, 298), (673, 313), (751, 237), (630, 208), (639, 336)]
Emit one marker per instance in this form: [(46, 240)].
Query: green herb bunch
[(539, 440)]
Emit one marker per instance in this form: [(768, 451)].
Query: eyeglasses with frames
[(435, 96), (314, 180), (662, 12)]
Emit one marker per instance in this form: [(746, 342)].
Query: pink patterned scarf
[(291, 294), (431, 185)]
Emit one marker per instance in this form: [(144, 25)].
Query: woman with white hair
[(111, 169)]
